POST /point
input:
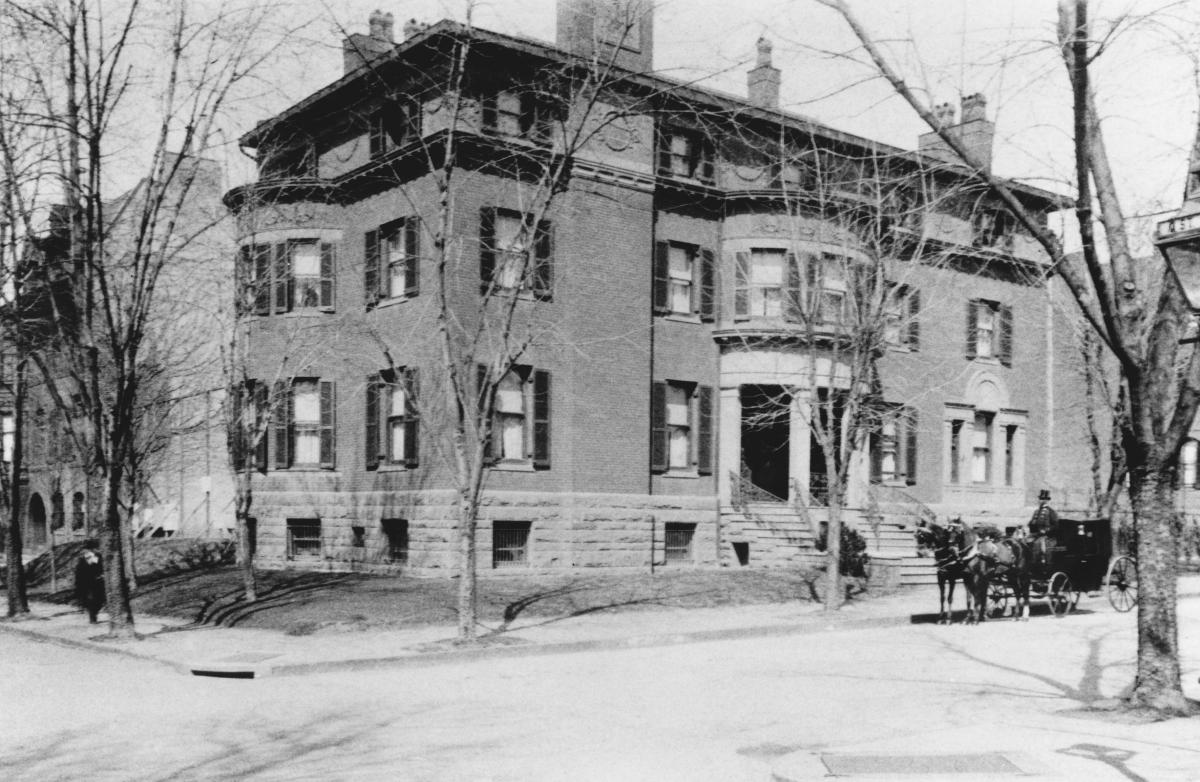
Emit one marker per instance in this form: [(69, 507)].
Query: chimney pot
[(762, 82), (375, 24)]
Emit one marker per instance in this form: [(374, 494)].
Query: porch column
[(729, 449), (799, 436)]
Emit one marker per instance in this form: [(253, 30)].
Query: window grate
[(304, 538), (510, 544), (678, 542)]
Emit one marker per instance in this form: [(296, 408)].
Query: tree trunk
[(130, 569), (242, 503), (18, 599), (1158, 684), (116, 588), (833, 553), (467, 589)]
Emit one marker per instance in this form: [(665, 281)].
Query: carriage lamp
[(1178, 239)]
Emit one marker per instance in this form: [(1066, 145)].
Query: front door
[(766, 429)]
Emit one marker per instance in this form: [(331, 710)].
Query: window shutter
[(260, 434), (488, 109), (705, 170), (412, 256), (328, 265), (664, 151), (487, 250), (241, 439), (371, 268), (658, 427), (1006, 335), (412, 415), (262, 279), (913, 335), (1196, 480), (283, 278), (704, 426), (241, 283), (971, 323), (485, 413), (372, 418), (327, 424), (662, 252), (793, 310), (708, 285), (741, 288), (281, 425), (541, 419), (543, 262), (910, 447)]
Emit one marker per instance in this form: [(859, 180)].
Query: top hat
[(1044, 494)]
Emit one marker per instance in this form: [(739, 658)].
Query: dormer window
[(684, 153)]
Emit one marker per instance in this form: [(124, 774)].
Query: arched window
[(57, 512)]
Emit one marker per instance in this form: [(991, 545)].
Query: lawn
[(197, 582)]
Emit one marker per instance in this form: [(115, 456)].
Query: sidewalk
[(252, 652)]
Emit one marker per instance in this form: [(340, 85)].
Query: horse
[(952, 547), (1008, 560)]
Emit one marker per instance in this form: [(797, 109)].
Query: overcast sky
[(1146, 82)]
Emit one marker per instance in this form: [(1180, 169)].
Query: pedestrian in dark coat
[(89, 581)]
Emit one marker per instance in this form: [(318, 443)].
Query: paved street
[(723, 710)]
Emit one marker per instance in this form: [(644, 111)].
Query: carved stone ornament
[(748, 173), (619, 135)]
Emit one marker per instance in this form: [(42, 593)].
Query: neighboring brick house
[(186, 487), (666, 422)]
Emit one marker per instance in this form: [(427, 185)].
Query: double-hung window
[(901, 321), (306, 423), (303, 425), (827, 288), (393, 125), (515, 254), (684, 280), (681, 421), (296, 275), (981, 448), (989, 331), (686, 154), (521, 418), (767, 282), (521, 114), (392, 418), (893, 446), (392, 261)]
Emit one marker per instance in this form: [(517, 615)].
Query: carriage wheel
[(1122, 580), (1061, 594), (997, 600)]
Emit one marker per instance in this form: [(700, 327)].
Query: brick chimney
[(975, 131), (762, 83), (621, 29), (359, 49)]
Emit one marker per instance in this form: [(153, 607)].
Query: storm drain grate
[(852, 765)]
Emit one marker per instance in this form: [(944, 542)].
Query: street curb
[(812, 623), (95, 646)]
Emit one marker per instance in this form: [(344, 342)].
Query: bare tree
[(90, 82), (1139, 319)]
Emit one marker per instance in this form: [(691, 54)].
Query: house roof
[(715, 100)]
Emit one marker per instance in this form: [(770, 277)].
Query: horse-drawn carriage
[(998, 569), (1079, 559)]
